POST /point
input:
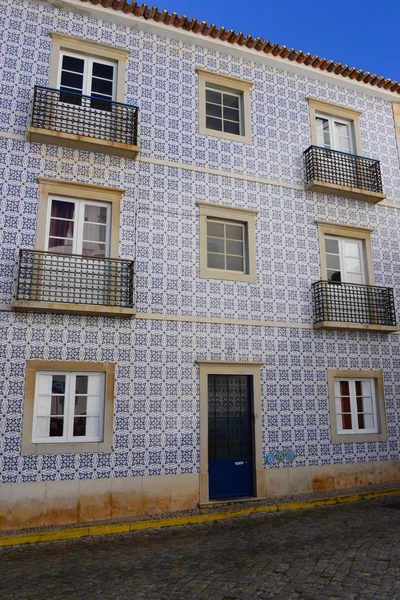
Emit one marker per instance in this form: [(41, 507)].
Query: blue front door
[(230, 436)]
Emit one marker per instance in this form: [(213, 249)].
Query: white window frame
[(79, 221), (341, 241), (353, 405), (88, 71), (227, 84), (342, 436), (69, 412), (245, 236), (327, 109), (332, 131)]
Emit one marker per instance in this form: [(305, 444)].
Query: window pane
[(345, 404), (234, 263), (70, 63), (81, 384), (213, 110), (213, 123), (96, 250), (360, 421), (231, 101), (215, 245), (323, 135), (102, 86), (333, 262), (104, 71), (231, 114), (332, 246), (231, 127), (215, 261), (63, 229), (42, 426), (95, 214), (92, 426), (58, 384), (344, 388), (79, 426), (72, 81), (215, 229), (64, 210), (56, 426), (60, 246), (213, 96), (334, 275), (94, 233), (93, 406), (235, 248), (346, 422), (57, 405), (369, 421), (234, 232), (80, 405)]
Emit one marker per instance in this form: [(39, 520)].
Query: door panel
[(230, 436)]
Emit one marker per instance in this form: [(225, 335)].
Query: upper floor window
[(78, 227), (335, 133), (80, 74), (227, 243), (224, 110), (224, 106), (345, 259)]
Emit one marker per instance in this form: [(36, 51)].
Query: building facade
[(199, 270)]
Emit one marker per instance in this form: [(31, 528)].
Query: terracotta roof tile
[(240, 39)]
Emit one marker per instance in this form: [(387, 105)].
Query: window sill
[(65, 448), (70, 308), (228, 276), (322, 187), (81, 142), (359, 326), (351, 438), (232, 137)]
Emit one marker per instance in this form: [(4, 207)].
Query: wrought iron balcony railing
[(89, 116), (340, 168), (353, 303), (74, 279)]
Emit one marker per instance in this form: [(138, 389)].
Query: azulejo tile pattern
[(156, 420)]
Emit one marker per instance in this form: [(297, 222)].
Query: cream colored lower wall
[(303, 480), (47, 504)]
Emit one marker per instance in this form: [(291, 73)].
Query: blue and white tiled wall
[(157, 387)]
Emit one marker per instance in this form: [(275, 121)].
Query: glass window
[(355, 405), (79, 227), (68, 407), (226, 245), (335, 133), (224, 110), (84, 75)]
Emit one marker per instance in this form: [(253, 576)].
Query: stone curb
[(115, 528)]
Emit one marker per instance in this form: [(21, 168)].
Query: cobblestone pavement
[(347, 552)]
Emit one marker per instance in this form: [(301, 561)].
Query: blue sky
[(360, 33)]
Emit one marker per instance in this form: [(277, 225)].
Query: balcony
[(340, 305), (83, 122), (332, 172), (49, 282)]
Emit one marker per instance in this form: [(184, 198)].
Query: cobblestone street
[(342, 552)]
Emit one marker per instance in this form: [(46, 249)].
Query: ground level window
[(356, 406), (68, 407)]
